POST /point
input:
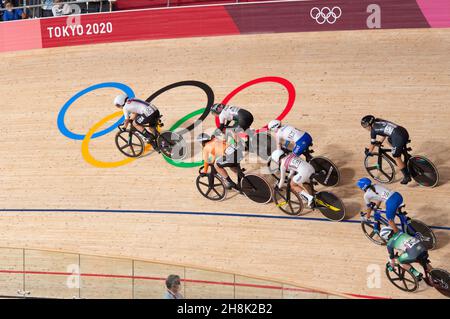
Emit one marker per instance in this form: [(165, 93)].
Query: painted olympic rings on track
[(62, 113), (174, 127), (203, 86), (268, 79), (85, 146), (203, 112)]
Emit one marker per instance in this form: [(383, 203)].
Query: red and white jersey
[(295, 166), (138, 107)]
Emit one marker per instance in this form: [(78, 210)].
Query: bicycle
[(260, 143), (413, 227), (381, 166), (405, 280), (327, 203), (213, 186), (330, 175), (131, 142)]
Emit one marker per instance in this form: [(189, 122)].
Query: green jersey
[(411, 247)]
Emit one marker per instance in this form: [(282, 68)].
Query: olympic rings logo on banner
[(203, 112), (325, 14)]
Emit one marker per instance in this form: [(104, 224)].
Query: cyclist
[(411, 250), (299, 170), (221, 154), (141, 113), (374, 195), (289, 134), (243, 119), (396, 135)]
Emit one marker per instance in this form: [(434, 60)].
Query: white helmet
[(120, 100), (274, 124), (386, 232), (276, 155)]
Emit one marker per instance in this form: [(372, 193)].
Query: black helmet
[(203, 138), (367, 120), (217, 108)]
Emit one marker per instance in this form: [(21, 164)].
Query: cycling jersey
[(295, 165), (381, 194), (232, 156), (243, 119), (397, 135), (392, 199), (138, 107), (213, 150), (411, 248), (383, 128), (290, 134), (229, 113)]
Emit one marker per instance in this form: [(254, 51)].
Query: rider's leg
[(405, 261), (398, 142), (220, 165), (392, 205), (297, 185), (302, 144), (221, 170)]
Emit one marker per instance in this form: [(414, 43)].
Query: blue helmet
[(364, 183)]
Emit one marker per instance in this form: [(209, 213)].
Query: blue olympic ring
[(62, 113)]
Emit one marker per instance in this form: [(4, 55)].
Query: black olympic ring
[(203, 86)]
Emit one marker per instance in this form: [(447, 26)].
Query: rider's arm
[(373, 140), (390, 248), (369, 203), (278, 140), (222, 119), (282, 175), (127, 118), (208, 151)]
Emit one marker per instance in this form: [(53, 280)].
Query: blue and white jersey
[(381, 194), (288, 133)]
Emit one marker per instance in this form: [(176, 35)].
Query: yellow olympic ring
[(85, 146)]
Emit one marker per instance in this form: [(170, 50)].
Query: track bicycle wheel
[(292, 205), (172, 145), (369, 230), (423, 171), (421, 231), (330, 206), (211, 186), (130, 143), (402, 279), (256, 188), (440, 279), (330, 176), (380, 168)]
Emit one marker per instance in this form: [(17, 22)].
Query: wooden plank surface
[(403, 75)]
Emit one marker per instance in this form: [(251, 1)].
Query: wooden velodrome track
[(403, 75)]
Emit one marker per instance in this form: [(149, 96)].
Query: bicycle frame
[(240, 176), (385, 151), (401, 215)]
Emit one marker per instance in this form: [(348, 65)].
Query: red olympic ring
[(288, 85)]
